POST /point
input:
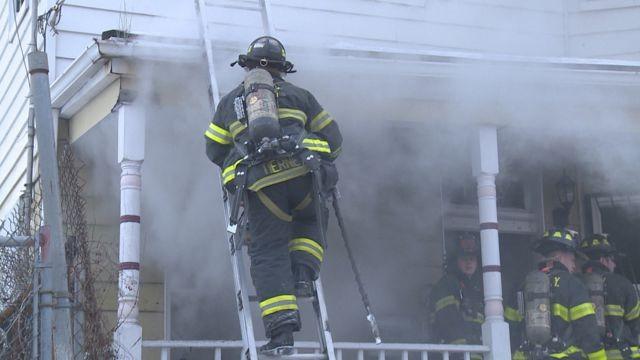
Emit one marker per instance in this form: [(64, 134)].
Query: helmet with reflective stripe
[(266, 52), (556, 239), (596, 246)]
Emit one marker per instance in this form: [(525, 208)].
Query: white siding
[(482, 25), (432, 24), (14, 90), (605, 29)]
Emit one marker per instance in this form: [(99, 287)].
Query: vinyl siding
[(489, 25), (14, 90), (605, 29)]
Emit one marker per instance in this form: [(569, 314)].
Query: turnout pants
[(283, 234)]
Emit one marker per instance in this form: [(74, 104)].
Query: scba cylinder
[(261, 106), (537, 294), (595, 284)]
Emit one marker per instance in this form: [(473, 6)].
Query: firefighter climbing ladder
[(243, 300), (236, 238)]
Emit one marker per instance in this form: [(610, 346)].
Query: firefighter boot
[(304, 281), (281, 342)]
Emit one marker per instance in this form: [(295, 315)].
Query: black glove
[(311, 159)]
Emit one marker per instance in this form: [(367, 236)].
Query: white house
[(549, 88)]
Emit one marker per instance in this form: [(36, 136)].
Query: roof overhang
[(104, 61)]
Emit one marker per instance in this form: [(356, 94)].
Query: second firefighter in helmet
[(266, 136), (456, 301), (559, 320), (614, 296)]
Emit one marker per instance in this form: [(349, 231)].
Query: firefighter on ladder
[(457, 307), (617, 298), (559, 320), (286, 247)]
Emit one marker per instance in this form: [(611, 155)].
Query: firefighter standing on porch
[(457, 307), (621, 308), (285, 244), (559, 320)]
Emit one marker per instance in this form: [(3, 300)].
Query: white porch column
[(495, 331), (131, 139)]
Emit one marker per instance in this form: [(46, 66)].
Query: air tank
[(261, 106), (595, 284), (537, 296)]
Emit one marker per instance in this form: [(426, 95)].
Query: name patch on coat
[(275, 166)]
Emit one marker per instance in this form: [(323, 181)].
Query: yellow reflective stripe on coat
[(320, 121), (580, 311), (512, 314), (218, 134), (597, 355), (296, 114), (614, 355), (560, 311), (613, 310), (634, 313), (568, 352), (278, 303), (478, 318), (519, 355), (236, 128), (307, 245), (229, 173), (447, 301), (316, 145)]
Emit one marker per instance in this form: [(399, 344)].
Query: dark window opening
[(623, 226)]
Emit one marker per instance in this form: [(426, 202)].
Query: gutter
[(94, 70), (76, 81)]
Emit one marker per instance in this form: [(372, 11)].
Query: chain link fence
[(87, 261)]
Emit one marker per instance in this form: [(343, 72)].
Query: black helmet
[(267, 52), (556, 239), (466, 244), (596, 246)]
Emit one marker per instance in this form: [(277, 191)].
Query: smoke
[(406, 129)]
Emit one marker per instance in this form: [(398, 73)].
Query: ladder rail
[(242, 300), (242, 294), (323, 321)]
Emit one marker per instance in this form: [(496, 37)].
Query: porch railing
[(344, 350)]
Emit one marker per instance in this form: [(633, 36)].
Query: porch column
[(495, 331), (131, 139)]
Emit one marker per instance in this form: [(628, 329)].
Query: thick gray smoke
[(404, 134)]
